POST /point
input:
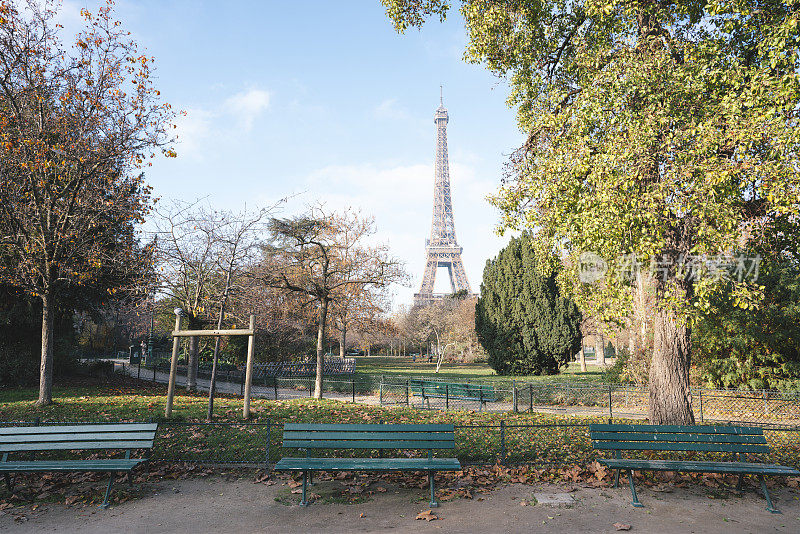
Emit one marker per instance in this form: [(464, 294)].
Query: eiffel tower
[(441, 249)]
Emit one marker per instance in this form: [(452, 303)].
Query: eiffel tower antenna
[(441, 249)]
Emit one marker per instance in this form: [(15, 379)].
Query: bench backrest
[(452, 389), (358, 436), (77, 437), (707, 438)]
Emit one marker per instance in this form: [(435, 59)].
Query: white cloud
[(246, 106), (235, 115), (192, 129), (389, 109)]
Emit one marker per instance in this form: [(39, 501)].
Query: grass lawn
[(478, 435), (403, 366), (127, 400)]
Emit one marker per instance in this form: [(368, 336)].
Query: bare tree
[(204, 257), (238, 238), (324, 256), (186, 245)]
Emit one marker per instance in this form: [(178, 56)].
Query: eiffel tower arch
[(441, 248)]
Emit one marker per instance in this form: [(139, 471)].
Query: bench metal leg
[(740, 482), (433, 503), (304, 501), (635, 502), (766, 496), (616, 479), (108, 491), (9, 486)]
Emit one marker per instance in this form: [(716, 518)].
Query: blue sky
[(325, 101)]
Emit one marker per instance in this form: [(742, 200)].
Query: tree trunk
[(342, 340), (46, 367), (192, 362), (599, 351), (582, 358), (323, 318), (670, 396)]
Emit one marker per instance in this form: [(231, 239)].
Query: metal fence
[(763, 407), (611, 401)]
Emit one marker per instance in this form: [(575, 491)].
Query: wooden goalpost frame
[(173, 367)]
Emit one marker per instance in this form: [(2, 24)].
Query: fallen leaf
[(622, 526), (427, 515)]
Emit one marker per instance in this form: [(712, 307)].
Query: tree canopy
[(657, 131), (76, 124)]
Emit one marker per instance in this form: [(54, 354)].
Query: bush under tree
[(755, 348), (522, 320)]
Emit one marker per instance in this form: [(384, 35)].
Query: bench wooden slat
[(368, 464), (454, 390), (65, 429), (671, 446), (363, 444), (76, 445), (344, 435), (107, 436), (675, 429), (706, 438), (698, 438), (700, 466), (368, 436), (71, 465), (72, 437), (359, 427)]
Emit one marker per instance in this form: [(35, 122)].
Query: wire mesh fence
[(612, 401), (213, 443)]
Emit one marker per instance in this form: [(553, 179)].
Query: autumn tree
[(658, 132), (76, 122), (324, 256), (357, 309)]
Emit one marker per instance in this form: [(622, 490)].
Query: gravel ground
[(239, 505)]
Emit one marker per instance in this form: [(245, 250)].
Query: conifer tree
[(522, 320)]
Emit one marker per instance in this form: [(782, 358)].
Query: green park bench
[(735, 440), (32, 439), (368, 437), (427, 389)]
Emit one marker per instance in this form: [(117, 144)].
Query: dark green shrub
[(522, 321)]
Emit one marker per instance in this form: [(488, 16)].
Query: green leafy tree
[(656, 130), (753, 349), (522, 320)]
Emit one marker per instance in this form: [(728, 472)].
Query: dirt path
[(242, 506)]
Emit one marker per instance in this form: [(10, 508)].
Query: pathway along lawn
[(404, 366)]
